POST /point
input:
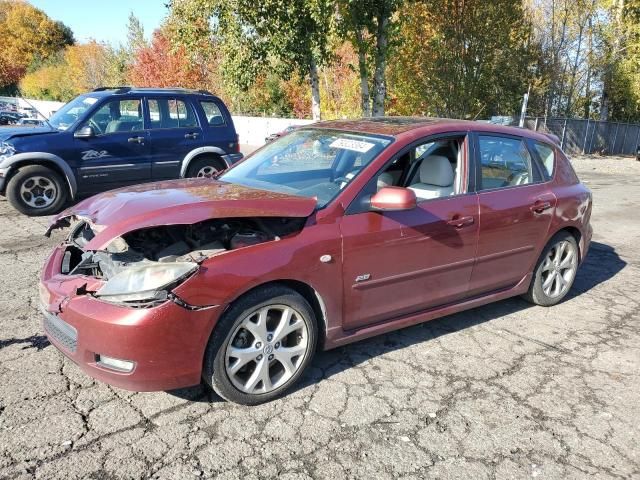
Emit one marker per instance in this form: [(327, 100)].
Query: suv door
[(516, 208), (398, 263), (118, 152), (174, 131)]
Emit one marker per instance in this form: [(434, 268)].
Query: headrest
[(436, 170)]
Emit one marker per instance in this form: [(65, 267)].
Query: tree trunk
[(365, 100), (315, 90), (379, 77)]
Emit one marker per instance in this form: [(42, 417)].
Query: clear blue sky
[(104, 20)]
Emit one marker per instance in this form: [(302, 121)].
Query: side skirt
[(337, 337)]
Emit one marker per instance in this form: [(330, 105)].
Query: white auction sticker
[(355, 145)]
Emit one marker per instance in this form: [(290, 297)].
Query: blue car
[(114, 137)]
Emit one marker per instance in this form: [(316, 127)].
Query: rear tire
[(36, 190), (205, 167), (261, 346), (555, 271)]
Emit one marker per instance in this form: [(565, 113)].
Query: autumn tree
[(449, 63), (290, 37), (158, 65), (27, 36)]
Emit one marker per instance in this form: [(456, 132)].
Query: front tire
[(261, 346), (555, 271), (36, 190)]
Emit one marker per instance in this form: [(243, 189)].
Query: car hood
[(175, 202), (11, 132)]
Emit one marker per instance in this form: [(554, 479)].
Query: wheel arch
[(576, 233), (310, 294), (199, 153), (15, 162)]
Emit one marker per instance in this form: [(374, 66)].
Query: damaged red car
[(334, 233)]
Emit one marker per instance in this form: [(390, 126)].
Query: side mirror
[(393, 199), (84, 132)]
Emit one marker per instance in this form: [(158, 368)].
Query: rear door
[(118, 153), (174, 131), (516, 208)]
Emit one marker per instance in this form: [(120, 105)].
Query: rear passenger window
[(547, 156), (171, 113), (213, 114), (505, 162)]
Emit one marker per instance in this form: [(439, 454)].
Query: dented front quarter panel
[(224, 278), (174, 202)]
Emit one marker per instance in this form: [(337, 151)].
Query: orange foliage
[(159, 65)]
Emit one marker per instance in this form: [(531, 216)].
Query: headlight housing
[(145, 283), (6, 150)]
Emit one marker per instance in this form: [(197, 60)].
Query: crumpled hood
[(175, 202), (11, 132)]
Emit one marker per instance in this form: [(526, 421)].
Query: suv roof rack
[(117, 89)]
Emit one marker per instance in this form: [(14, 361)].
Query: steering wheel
[(95, 126)]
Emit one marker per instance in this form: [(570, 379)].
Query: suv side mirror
[(393, 199), (84, 132)]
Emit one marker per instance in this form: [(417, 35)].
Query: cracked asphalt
[(504, 391)]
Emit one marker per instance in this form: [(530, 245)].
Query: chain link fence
[(579, 136)]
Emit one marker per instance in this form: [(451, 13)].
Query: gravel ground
[(503, 391)]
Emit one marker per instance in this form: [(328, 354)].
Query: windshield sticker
[(355, 145)]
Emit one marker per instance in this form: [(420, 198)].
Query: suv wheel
[(555, 271), (205, 167), (261, 346), (36, 190)]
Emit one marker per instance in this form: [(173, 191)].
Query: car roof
[(104, 91), (399, 126)]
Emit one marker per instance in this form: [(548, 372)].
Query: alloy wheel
[(559, 268), (266, 349), (38, 191), (206, 172)]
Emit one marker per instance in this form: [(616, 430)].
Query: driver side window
[(117, 116), (504, 162)]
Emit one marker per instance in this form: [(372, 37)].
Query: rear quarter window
[(547, 157), (212, 111)]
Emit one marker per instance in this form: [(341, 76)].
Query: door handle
[(460, 222), (138, 140), (540, 206), (192, 135)]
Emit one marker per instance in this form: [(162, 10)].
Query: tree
[(158, 65), (368, 25), (27, 36), (449, 63), (290, 36)]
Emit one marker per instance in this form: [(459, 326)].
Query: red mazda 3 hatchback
[(333, 233)]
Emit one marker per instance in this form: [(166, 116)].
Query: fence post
[(593, 132), (535, 128), (624, 138), (586, 132), (615, 137), (564, 130)]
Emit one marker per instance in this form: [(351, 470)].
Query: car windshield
[(72, 111), (310, 162)]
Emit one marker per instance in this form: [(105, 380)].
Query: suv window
[(117, 116), (171, 113), (504, 162), (547, 156), (213, 113)]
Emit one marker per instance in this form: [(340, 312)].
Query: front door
[(398, 263), (516, 208), (118, 153), (175, 132)]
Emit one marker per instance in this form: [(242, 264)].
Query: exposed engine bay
[(169, 244)]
